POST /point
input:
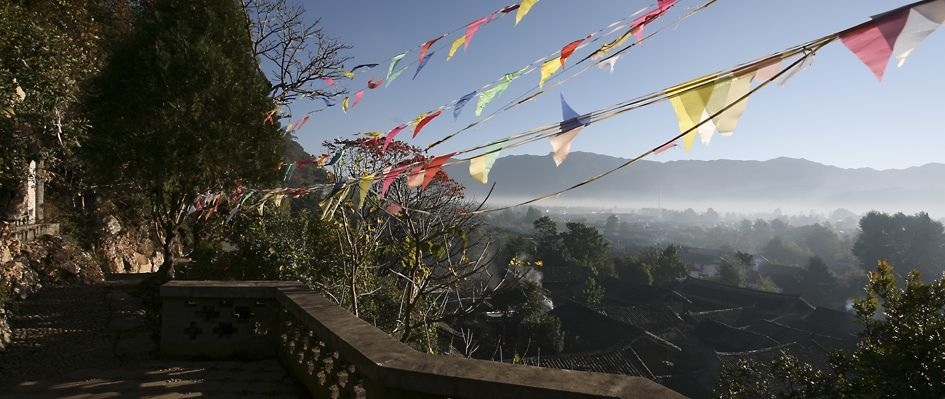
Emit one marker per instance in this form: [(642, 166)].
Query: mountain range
[(793, 185)]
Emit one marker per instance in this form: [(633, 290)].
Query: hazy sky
[(834, 112)]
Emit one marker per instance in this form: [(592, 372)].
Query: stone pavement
[(95, 342)]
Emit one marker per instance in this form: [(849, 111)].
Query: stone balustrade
[(337, 355), (24, 232)]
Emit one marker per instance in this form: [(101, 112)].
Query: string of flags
[(704, 106)]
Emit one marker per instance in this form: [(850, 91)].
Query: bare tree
[(295, 55)]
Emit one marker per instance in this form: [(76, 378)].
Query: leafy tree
[(666, 264), (48, 48), (732, 271), (585, 246), (914, 241), (530, 324), (631, 270), (901, 352), (593, 293), (785, 252), (531, 215), (610, 228), (179, 110), (819, 285)]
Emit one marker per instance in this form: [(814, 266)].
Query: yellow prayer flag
[(363, 187), (455, 46), (523, 9), (547, 69), (348, 74), (344, 105), (480, 166), (727, 121), (689, 106), (610, 46)]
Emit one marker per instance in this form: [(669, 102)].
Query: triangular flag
[(458, 107), (389, 178), (357, 97), (727, 121), (393, 64), (665, 147), (426, 47), (390, 136), (471, 31), (336, 157), (569, 48), (480, 166), (547, 69), (373, 84), (422, 64), (933, 10), (689, 106), (395, 75), (347, 74), (329, 81), (808, 61), (368, 66), (523, 9), (767, 71), (610, 46), (363, 187), (300, 124), (423, 122), (561, 144), (456, 43), (569, 117), (394, 208), (415, 178), (486, 96), (917, 28), (433, 168), (608, 64), (873, 42), (344, 105)]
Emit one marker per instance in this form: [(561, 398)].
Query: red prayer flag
[(371, 84), (873, 42), (389, 178), (426, 47), (423, 122), (390, 136), (567, 50), (433, 167), (471, 30)]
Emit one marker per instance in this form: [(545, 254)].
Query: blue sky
[(834, 113)]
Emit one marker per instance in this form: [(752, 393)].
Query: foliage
[(47, 50), (901, 352), (914, 241), (585, 246), (665, 264), (593, 293), (530, 326), (630, 270), (818, 284), (785, 252), (733, 271), (194, 120)]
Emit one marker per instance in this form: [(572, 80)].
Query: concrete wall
[(337, 355)]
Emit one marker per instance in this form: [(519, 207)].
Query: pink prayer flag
[(873, 42), (433, 167), (330, 81), (567, 50), (389, 177), (426, 47), (390, 136), (471, 30), (394, 209), (357, 97), (373, 84), (423, 122), (299, 125), (415, 178), (665, 147), (561, 144)]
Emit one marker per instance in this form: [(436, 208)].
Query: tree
[(732, 271), (819, 285), (785, 252), (610, 228), (666, 264), (631, 270), (530, 326), (48, 48), (179, 110), (298, 54), (585, 246), (914, 241), (593, 293), (901, 352)]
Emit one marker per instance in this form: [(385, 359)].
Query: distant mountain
[(794, 185)]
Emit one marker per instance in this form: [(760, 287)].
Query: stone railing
[(337, 355), (26, 232)]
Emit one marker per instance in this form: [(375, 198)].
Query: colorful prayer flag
[(922, 21), (569, 48), (689, 104), (471, 31), (458, 107), (561, 144), (357, 97), (364, 185), (480, 166), (523, 9), (373, 84), (873, 42), (426, 47), (433, 168), (547, 69), (395, 75), (456, 43), (422, 64), (390, 136), (389, 178), (423, 122), (393, 64)]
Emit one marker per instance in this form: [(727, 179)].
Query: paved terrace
[(252, 339)]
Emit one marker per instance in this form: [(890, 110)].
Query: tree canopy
[(910, 241)]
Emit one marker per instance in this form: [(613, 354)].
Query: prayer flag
[(665, 147), (608, 64), (568, 49), (610, 46), (368, 66), (329, 81), (344, 105), (424, 121), (390, 136), (426, 47), (486, 96), (393, 64), (523, 9), (561, 144), (433, 168), (690, 105), (471, 31), (547, 69), (415, 178), (395, 75), (394, 209), (363, 187), (922, 21), (373, 84), (873, 42), (389, 178), (422, 64), (357, 97), (456, 43), (458, 107), (480, 166)]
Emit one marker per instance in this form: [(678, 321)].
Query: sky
[(834, 112)]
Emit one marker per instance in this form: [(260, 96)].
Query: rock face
[(128, 250), (58, 261)]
